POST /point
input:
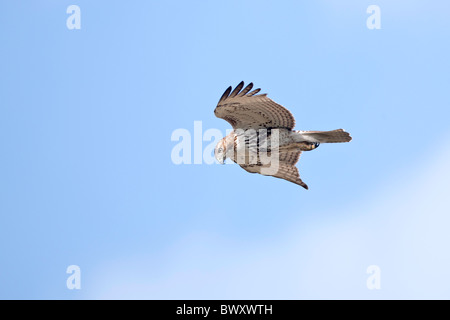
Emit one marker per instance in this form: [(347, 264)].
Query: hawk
[(263, 127)]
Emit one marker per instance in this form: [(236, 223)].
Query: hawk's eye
[(220, 150)]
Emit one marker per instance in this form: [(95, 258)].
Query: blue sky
[(87, 179)]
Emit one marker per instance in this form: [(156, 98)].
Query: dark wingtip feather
[(237, 89), (246, 89), (225, 94), (253, 92)]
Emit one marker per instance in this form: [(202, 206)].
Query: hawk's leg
[(308, 146)]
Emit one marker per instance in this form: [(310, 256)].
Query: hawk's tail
[(332, 136)]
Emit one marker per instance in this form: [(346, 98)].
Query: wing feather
[(251, 111), (287, 169), (290, 173), (253, 92), (246, 89), (225, 94), (237, 89)]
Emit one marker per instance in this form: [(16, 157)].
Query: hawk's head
[(220, 152), (225, 148)]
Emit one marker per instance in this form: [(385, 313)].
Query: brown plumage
[(263, 127)]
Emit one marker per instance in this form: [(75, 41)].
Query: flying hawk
[(263, 127)]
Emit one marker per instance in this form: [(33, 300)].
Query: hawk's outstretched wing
[(248, 110), (286, 170)]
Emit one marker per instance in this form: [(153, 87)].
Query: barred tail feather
[(333, 136)]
